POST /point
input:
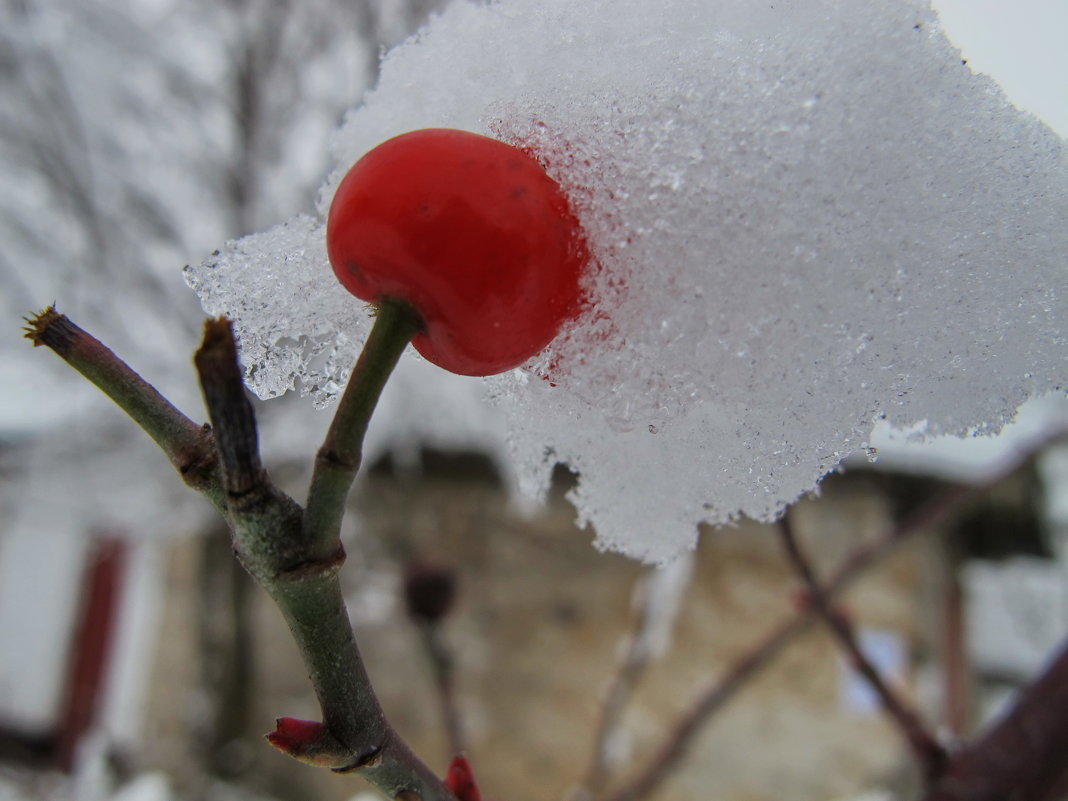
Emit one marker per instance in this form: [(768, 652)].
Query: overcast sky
[(1023, 44)]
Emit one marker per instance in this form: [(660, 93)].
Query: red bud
[(460, 780), (310, 742)]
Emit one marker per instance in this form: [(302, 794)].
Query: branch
[(188, 446), (1022, 756), (928, 751), (265, 522), (339, 458), (678, 740), (632, 667), (442, 664), (429, 594), (270, 540), (680, 737), (269, 536)]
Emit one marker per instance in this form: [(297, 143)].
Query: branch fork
[(928, 751), (294, 553)]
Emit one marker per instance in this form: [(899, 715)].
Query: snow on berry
[(470, 232), (807, 217)]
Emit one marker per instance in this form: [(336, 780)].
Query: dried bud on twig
[(429, 590)]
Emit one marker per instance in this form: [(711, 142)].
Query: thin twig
[(338, 460), (430, 589), (676, 744), (266, 523), (188, 445), (236, 437), (680, 737), (928, 751), (632, 666), (442, 665)]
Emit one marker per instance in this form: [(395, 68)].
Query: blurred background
[(138, 662)]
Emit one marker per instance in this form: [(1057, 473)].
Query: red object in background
[(461, 780), (91, 648)]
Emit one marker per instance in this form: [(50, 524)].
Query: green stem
[(187, 445), (270, 530), (339, 458), (302, 577), (315, 611)]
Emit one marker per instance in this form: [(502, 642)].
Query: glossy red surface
[(472, 233)]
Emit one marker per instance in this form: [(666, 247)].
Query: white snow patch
[(1018, 612), (807, 217), (146, 787), (973, 458)]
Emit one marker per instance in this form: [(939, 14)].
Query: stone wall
[(539, 626)]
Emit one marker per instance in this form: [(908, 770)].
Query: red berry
[(472, 233)]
